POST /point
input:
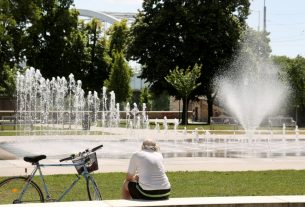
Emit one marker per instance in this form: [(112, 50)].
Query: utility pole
[(265, 16)]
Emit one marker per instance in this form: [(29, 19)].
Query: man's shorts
[(137, 192)]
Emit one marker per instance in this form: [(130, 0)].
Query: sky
[(285, 20)]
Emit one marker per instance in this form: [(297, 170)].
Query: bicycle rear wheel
[(92, 189), (11, 188)]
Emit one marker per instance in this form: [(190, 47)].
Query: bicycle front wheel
[(11, 188), (92, 189)]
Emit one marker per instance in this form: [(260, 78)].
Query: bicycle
[(23, 189)]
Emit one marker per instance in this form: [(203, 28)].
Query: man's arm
[(132, 178)]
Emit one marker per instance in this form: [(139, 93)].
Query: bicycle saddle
[(33, 159)]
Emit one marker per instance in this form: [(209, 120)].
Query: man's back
[(149, 166)]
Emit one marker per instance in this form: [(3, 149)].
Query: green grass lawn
[(195, 184)]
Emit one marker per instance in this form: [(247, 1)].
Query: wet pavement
[(182, 152)]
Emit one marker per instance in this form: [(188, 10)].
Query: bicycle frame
[(38, 166)]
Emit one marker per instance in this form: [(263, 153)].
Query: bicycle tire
[(11, 188), (92, 189)]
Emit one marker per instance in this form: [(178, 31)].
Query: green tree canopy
[(146, 97), (118, 36), (48, 37), (119, 78), (99, 64), (120, 72), (184, 81), (9, 53), (294, 73), (180, 33)]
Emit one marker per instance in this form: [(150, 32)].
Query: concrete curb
[(5, 155), (233, 201)]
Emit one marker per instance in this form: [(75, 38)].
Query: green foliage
[(184, 81), (119, 78), (161, 102), (256, 44), (77, 54), (146, 97), (180, 33), (7, 81), (296, 74), (48, 37), (99, 63), (120, 72), (293, 71), (254, 48), (7, 27), (118, 36)]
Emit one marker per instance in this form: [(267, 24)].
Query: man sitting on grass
[(146, 178)]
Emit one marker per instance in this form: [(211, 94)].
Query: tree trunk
[(184, 112), (210, 101)]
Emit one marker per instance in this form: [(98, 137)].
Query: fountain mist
[(252, 89)]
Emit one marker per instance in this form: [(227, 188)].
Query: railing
[(11, 121)]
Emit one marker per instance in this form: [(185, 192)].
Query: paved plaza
[(113, 159)]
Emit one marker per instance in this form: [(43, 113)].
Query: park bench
[(223, 121), (278, 121)]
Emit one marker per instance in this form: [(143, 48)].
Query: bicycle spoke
[(11, 188)]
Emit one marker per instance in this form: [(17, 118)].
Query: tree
[(37, 34), (77, 53), (184, 81), (146, 97), (48, 37), (120, 72), (118, 36), (11, 37), (180, 33), (293, 70), (98, 68), (7, 81), (119, 78), (256, 43), (161, 101), (18, 18)]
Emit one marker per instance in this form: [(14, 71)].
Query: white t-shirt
[(149, 166)]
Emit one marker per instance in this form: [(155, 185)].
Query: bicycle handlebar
[(96, 148), (67, 158), (81, 153)]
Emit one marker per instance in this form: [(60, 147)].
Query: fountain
[(252, 90), (57, 103), (250, 93), (252, 97)]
